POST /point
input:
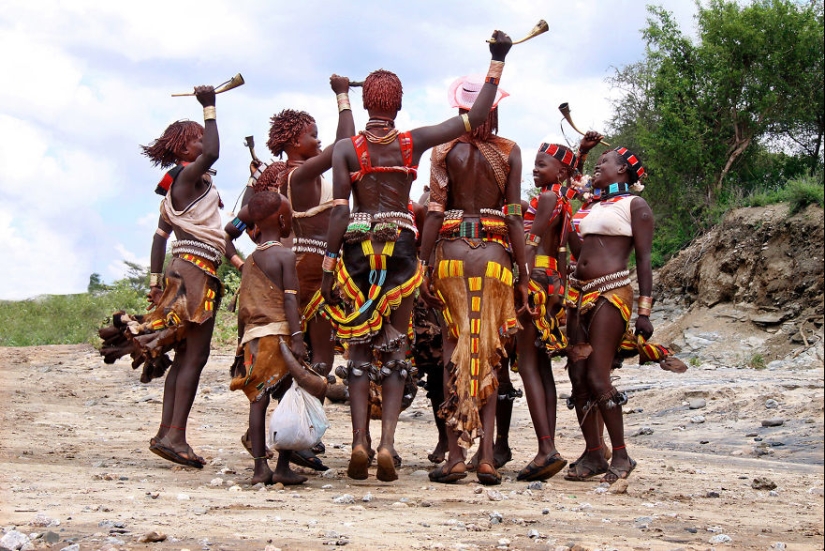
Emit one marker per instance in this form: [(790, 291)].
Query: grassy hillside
[(74, 319)]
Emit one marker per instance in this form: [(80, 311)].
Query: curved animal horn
[(233, 82), (540, 28), (310, 381), (565, 111)]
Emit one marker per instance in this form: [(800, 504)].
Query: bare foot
[(262, 474), (359, 463), (501, 455), (386, 465), (439, 453), (288, 478)]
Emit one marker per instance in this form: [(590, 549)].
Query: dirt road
[(75, 469)]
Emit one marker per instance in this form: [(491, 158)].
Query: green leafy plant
[(757, 361)]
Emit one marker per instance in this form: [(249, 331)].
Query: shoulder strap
[(166, 182), (406, 144), (361, 151)]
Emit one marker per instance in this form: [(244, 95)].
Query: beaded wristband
[(492, 80), (239, 224), (432, 206), (512, 209), (209, 113), (290, 292), (532, 240), (155, 279)]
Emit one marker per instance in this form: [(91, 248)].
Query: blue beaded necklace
[(612, 190)]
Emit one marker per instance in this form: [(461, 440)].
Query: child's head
[(271, 178), (269, 210), (382, 92), (181, 141), (554, 164), (287, 127)]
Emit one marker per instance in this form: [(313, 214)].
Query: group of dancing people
[(465, 283)]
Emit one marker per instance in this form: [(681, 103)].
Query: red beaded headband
[(632, 160), (560, 152)]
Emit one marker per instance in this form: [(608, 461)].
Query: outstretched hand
[(205, 95), (500, 46)]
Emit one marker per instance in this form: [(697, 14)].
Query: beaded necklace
[(380, 123), (612, 190), (268, 244)]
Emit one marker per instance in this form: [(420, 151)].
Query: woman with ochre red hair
[(377, 273)]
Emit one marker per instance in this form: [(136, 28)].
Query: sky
[(88, 81)]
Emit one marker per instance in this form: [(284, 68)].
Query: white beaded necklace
[(268, 244)]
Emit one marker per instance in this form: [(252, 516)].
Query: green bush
[(804, 191), (798, 192), (64, 319)]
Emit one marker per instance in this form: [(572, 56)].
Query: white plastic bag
[(299, 421)]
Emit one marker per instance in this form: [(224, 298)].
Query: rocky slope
[(749, 292)]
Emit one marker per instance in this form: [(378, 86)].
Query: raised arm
[(192, 173), (428, 136), (319, 164)]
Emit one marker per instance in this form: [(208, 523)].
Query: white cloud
[(90, 80)]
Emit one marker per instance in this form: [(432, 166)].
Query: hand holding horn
[(249, 142), (541, 27), (565, 111), (233, 82)]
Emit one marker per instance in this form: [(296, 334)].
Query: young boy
[(268, 314)]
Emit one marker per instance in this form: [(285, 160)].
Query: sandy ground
[(74, 467)]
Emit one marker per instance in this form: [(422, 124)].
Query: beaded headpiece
[(464, 91), (633, 161), (560, 152)]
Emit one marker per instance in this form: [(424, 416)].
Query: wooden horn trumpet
[(565, 111), (541, 27), (233, 82)]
